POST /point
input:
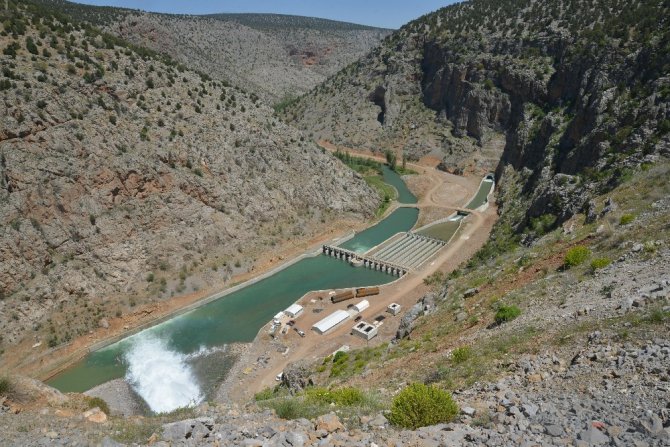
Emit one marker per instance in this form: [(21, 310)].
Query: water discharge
[(160, 375)]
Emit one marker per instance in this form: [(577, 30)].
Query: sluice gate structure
[(396, 257), (368, 262)]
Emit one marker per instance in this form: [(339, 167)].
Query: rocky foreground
[(609, 393)]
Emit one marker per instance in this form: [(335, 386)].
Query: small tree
[(420, 405), (391, 159)]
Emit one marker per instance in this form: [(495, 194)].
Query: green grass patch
[(600, 263), (626, 219), (420, 405), (92, 402), (343, 397), (576, 256), (314, 402), (462, 354)]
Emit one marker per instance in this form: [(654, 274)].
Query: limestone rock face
[(547, 107)]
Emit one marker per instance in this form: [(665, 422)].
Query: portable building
[(331, 321), (393, 309), (364, 330), (294, 310), (360, 307)]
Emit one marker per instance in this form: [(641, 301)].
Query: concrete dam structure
[(395, 257), (368, 262)]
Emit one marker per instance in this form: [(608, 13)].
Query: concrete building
[(360, 307), (294, 310), (364, 330), (331, 321), (394, 308)]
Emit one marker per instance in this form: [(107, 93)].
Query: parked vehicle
[(358, 318), (291, 323), (301, 333), (279, 376)]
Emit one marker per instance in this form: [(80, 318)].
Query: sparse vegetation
[(420, 405), (507, 313), (576, 256), (600, 263), (94, 402), (5, 386), (626, 219)]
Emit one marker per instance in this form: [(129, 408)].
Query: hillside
[(277, 57), (126, 178), (560, 100)]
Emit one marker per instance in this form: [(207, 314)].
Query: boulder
[(95, 415), (329, 422)]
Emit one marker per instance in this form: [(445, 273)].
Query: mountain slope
[(561, 99), (275, 56), (126, 178)]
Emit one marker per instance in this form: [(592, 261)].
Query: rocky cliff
[(563, 103), (126, 178)]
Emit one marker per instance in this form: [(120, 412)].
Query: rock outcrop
[(558, 111)]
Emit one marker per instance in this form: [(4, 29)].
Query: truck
[(343, 296), (367, 291)]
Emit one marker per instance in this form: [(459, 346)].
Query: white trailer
[(294, 310), (331, 321), (360, 307)]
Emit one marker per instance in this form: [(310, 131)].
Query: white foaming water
[(161, 376), (204, 352)]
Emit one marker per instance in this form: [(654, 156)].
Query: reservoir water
[(180, 361)]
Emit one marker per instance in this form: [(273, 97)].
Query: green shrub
[(344, 396), (626, 219), (420, 405), (507, 313), (576, 255), (5, 386), (600, 263), (287, 409), (267, 393), (459, 355), (93, 402)]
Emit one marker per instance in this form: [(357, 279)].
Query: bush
[(420, 405), (576, 255), (5, 386), (600, 263), (93, 402), (267, 393), (459, 355), (626, 219), (287, 409), (507, 313), (344, 396)]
